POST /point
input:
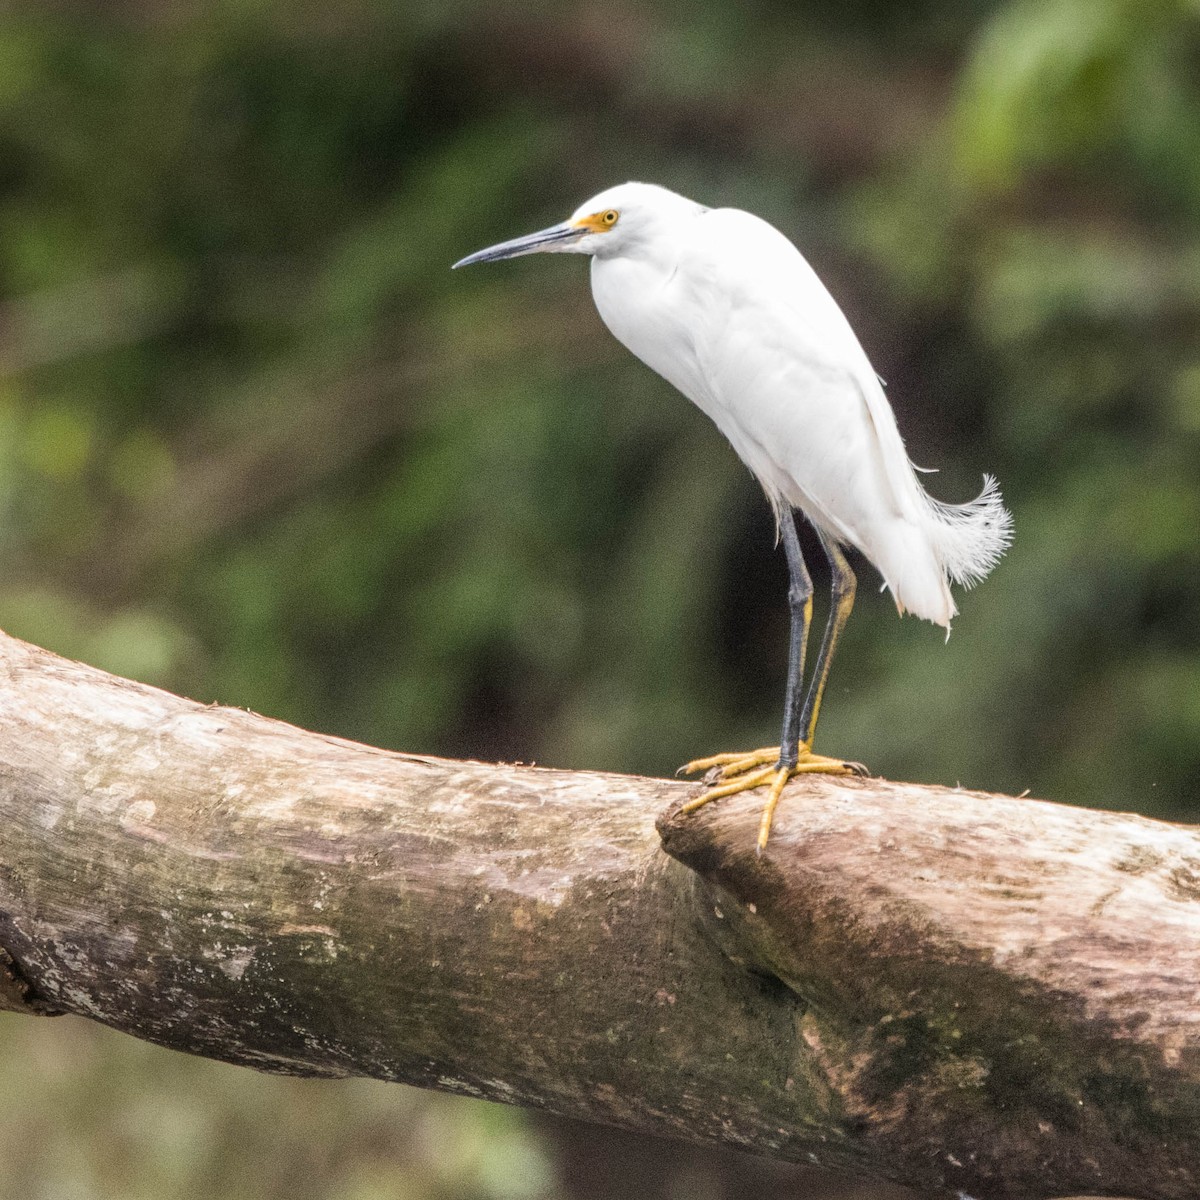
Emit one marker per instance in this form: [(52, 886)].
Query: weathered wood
[(1008, 988), (950, 990)]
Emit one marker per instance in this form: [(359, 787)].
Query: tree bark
[(955, 991)]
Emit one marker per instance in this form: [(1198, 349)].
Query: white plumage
[(723, 306)]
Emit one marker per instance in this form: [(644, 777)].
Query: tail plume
[(971, 538)]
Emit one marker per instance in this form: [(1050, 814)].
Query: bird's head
[(614, 222)]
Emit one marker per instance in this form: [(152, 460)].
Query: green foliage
[(259, 445), (167, 1127)]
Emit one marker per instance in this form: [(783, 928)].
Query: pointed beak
[(531, 243)]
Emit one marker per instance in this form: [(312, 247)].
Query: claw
[(768, 813), (732, 764), (728, 789), (753, 768)]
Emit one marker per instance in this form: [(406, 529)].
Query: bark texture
[(950, 990)]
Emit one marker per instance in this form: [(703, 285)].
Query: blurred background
[(259, 446)]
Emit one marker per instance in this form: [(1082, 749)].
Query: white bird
[(724, 307)]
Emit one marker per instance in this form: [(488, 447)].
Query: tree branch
[(951, 990)]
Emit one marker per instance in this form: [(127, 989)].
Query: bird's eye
[(610, 217)]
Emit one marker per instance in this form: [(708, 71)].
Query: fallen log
[(961, 992)]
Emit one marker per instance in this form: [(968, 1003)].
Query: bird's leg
[(800, 593), (777, 764), (843, 588), (800, 602)]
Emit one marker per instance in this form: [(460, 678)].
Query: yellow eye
[(599, 222)]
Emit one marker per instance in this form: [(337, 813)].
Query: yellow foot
[(752, 769)]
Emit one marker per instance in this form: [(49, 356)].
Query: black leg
[(753, 768), (800, 593), (844, 585)]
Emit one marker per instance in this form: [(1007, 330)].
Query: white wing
[(767, 282), (737, 320)]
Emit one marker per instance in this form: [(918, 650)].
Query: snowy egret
[(724, 307)]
